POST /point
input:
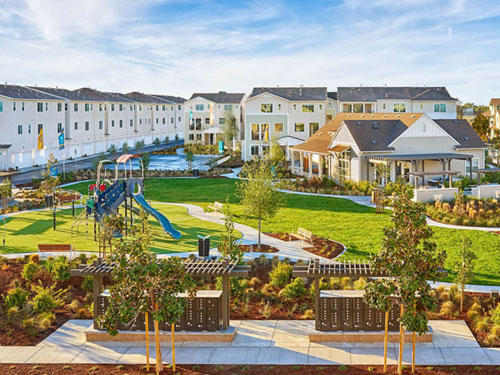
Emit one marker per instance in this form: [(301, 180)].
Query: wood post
[(173, 347), (413, 354), (225, 301), (159, 364), (386, 337), (96, 290), (316, 301), (146, 322), (401, 344)]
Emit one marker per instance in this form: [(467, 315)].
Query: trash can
[(49, 200), (204, 247), (195, 172)]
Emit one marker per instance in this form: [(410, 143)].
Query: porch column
[(309, 165), (320, 166), (470, 171), (292, 159), (444, 168), (301, 163)]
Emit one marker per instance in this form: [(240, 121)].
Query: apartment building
[(178, 109), (205, 114), (288, 114), (494, 116), (436, 102)]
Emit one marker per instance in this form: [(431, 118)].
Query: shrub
[(266, 311), (29, 271), (46, 299), (60, 271), (295, 290), (34, 258), (308, 314), (447, 308), (360, 284), (45, 320), (74, 305), (87, 283), (483, 324), (254, 281), (29, 326), (495, 315), (280, 275), (16, 297)]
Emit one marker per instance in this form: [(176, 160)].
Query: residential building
[(288, 114), (179, 122), (436, 102), (351, 146), (494, 116), (205, 114)]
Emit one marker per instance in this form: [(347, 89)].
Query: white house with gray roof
[(288, 114), (436, 102), (205, 115)]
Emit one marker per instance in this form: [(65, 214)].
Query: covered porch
[(311, 159), (210, 135)]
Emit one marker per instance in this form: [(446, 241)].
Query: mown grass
[(360, 228)]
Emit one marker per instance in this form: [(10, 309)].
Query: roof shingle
[(372, 94), (293, 93), (220, 97)]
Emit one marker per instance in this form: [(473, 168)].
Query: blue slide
[(164, 222)]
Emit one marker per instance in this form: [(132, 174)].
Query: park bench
[(216, 207), (302, 234), (55, 248)]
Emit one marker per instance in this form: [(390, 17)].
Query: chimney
[(300, 90)]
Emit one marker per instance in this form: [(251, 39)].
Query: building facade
[(205, 115), (494, 116)]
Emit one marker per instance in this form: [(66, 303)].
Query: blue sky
[(178, 47)]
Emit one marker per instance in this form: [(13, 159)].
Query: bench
[(216, 207), (302, 234), (55, 248)]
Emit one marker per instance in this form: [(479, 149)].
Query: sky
[(178, 47)]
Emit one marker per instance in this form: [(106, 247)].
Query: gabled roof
[(319, 141), (293, 93), (371, 135), (143, 98), (462, 132), (21, 92), (220, 97), (495, 101), (105, 96), (171, 98), (372, 94), (65, 94), (332, 95)]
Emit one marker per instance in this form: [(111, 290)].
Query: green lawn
[(26, 230), (358, 227)]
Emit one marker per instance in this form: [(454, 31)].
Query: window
[(75, 107), (171, 120), (140, 107), (179, 107), (207, 121), (65, 106), (157, 119), (59, 107), (191, 137), (39, 107), (113, 123), (87, 107), (321, 107), (236, 106), (357, 108), (198, 137), (59, 127), (121, 123), (440, 107), (179, 118), (112, 107), (278, 127), (295, 106), (266, 108), (254, 150), (255, 132), (19, 129), (421, 106), (46, 106), (228, 107), (40, 128), (76, 125), (131, 122), (14, 106), (29, 129), (199, 107), (346, 107), (384, 106), (140, 121), (121, 107), (279, 107), (218, 106), (100, 107), (299, 127), (22, 106), (344, 164), (313, 128), (163, 107), (307, 107), (1, 106), (100, 124), (222, 120), (163, 121), (87, 126), (172, 107), (399, 107), (475, 165), (131, 107)]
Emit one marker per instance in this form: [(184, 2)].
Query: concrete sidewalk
[(270, 342)]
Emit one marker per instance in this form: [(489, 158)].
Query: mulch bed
[(322, 247), (263, 248), (73, 369)]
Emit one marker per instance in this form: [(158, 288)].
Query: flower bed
[(466, 211)]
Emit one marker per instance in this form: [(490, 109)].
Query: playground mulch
[(60, 369)]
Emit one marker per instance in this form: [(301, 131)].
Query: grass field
[(26, 230), (358, 227)]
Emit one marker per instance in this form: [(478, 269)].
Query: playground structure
[(106, 196)]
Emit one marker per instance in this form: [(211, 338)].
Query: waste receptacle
[(204, 247), (49, 200), (195, 172)]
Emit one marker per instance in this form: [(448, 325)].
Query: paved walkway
[(269, 342)]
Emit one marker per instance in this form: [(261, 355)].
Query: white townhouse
[(178, 109), (80, 127), (436, 102), (352, 145), (494, 117), (30, 121), (331, 105), (288, 114), (205, 115)]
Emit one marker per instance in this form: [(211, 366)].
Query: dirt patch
[(72, 369), (263, 248), (320, 246)]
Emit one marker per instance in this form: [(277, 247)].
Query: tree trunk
[(401, 344), (462, 298), (259, 235), (146, 319), (386, 338), (173, 348), (413, 355)]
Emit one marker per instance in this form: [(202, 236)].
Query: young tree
[(230, 130), (228, 247), (5, 192), (112, 150), (125, 148), (49, 183), (409, 258), (146, 160), (139, 145), (143, 284), (190, 158), (464, 268), (259, 197), (482, 126), (277, 156), (383, 172)]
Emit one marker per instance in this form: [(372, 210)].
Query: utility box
[(204, 247)]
